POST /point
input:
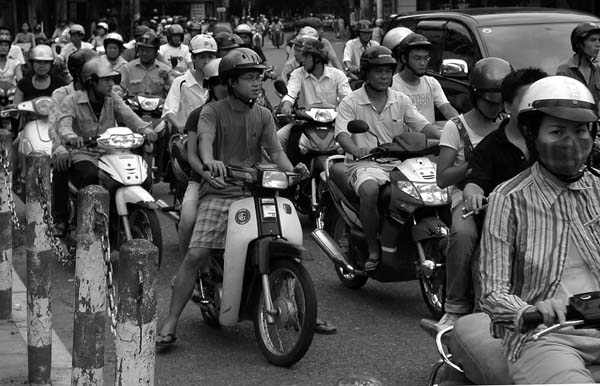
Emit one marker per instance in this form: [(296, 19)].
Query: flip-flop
[(163, 341), (325, 328)]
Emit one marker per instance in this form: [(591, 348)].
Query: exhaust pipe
[(169, 210), (331, 249)]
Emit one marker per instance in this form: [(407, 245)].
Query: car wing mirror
[(454, 67)]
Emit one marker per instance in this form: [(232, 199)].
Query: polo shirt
[(139, 80)]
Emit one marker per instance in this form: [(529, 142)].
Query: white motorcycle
[(260, 276), (125, 175)]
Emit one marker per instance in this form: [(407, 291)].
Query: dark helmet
[(77, 59), (314, 22), (225, 41), (140, 30), (317, 49), (364, 26), (412, 42), (97, 68), (376, 56), (581, 32), (238, 61), (486, 78), (175, 29), (149, 39)]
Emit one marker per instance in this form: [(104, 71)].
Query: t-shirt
[(427, 95), (191, 125), (181, 55), (7, 73), (30, 92)]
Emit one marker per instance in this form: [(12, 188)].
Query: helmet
[(163, 21), (140, 30), (211, 69), (175, 29), (411, 42), (379, 22), (316, 48), (97, 68), (309, 32), (195, 26), (113, 37), (364, 26), (561, 97), (225, 41), (243, 29), (394, 36), (300, 40), (149, 39), (169, 20), (487, 76), (77, 28), (102, 25), (77, 59), (239, 60), (203, 43), (313, 22), (581, 32), (376, 56), (41, 52)]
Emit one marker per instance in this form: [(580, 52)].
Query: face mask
[(566, 157)]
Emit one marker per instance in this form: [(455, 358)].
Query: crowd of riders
[(525, 127)]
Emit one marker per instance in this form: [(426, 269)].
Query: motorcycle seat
[(337, 174)]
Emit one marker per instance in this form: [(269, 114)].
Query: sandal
[(325, 328), (371, 264), (164, 341)]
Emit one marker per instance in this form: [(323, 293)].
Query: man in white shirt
[(354, 48), (174, 53), (77, 33), (424, 91)]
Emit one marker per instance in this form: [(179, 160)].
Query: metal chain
[(101, 224), (63, 257), (5, 164)]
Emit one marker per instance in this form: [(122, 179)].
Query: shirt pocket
[(157, 87)]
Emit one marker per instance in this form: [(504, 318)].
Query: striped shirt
[(529, 224)]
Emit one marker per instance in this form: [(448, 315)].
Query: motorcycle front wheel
[(144, 224), (286, 340), (433, 286)]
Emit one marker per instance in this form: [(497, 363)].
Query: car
[(525, 37), (326, 19)]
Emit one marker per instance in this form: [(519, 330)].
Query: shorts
[(192, 193), (211, 223), (360, 175)]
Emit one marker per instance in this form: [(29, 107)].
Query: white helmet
[(102, 25), (114, 37), (561, 97), (308, 32), (203, 43), (243, 29), (211, 69), (394, 36)]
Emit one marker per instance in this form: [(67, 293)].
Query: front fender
[(268, 249), (428, 228), (133, 194)]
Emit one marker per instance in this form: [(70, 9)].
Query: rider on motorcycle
[(187, 91), (460, 136), (234, 117), (245, 32), (113, 47), (41, 82), (541, 238), (424, 91), (174, 53), (304, 35), (386, 112), (353, 49), (77, 33), (89, 112), (11, 69)]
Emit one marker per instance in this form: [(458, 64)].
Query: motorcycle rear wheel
[(338, 229), (287, 340), (145, 225), (433, 288)]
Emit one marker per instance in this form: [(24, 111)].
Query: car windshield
[(538, 45)]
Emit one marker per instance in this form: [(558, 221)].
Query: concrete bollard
[(5, 226), (136, 317), (39, 258), (90, 287)]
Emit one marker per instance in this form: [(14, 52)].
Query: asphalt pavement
[(378, 336)]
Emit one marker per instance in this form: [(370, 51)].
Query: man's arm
[(416, 121), (343, 87), (125, 116), (448, 111), (294, 86), (172, 104)]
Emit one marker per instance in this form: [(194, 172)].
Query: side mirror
[(358, 127), (280, 87), (454, 67)]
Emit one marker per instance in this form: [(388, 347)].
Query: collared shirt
[(354, 49), (76, 117), (571, 68), (69, 48), (137, 79), (185, 95), (308, 90), (529, 227), (117, 64), (16, 53), (287, 69), (58, 96), (495, 160)]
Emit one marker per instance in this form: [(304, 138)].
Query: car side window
[(434, 31), (460, 45)]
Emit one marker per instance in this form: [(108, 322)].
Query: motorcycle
[(7, 95), (413, 235), (133, 210), (469, 355), (260, 275)]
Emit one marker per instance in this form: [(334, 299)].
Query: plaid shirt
[(529, 223)]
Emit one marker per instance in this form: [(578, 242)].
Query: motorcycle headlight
[(274, 179), (119, 141), (149, 104), (429, 193), (42, 106)]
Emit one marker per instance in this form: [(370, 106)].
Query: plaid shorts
[(211, 223)]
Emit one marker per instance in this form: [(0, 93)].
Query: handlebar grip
[(531, 319)]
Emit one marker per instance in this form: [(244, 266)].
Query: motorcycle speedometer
[(149, 104)]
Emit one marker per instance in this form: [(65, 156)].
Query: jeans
[(462, 246), (82, 173)]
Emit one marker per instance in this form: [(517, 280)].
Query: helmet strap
[(249, 102)]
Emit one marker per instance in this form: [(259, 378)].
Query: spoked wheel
[(286, 340), (339, 232), (433, 285), (209, 291), (144, 224)]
